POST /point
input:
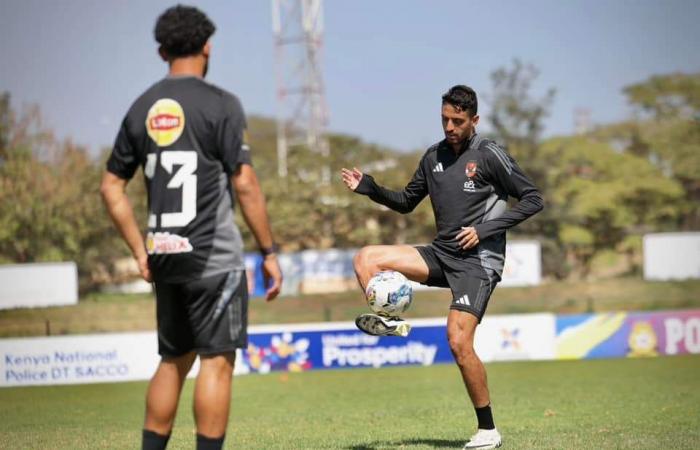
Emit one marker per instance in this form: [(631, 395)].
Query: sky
[(385, 63)]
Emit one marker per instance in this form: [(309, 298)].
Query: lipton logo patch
[(165, 122), (471, 169)]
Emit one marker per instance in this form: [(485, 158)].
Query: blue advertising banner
[(299, 350), (341, 345)]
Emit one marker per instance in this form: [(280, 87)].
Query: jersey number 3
[(184, 179)]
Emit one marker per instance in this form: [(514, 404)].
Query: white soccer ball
[(389, 293)]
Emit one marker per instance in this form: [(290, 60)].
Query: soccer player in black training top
[(189, 138), (468, 179)]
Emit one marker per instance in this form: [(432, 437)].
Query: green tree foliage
[(50, 207), (667, 132), (517, 116), (305, 213), (603, 199), (602, 190), (4, 122)]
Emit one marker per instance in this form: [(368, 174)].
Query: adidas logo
[(438, 168), (464, 300)]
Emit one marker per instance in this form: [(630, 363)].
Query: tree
[(517, 117), (604, 198), (50, 207), (304, 213), (4, 123), (667, 132)]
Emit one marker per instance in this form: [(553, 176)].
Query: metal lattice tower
[(301, 104), (582, 120)]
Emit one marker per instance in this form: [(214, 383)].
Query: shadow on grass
[(435, 443)]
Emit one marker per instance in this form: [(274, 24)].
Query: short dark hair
[(463, 98), (183, 31)]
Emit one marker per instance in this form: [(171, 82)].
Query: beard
[(206, 68)]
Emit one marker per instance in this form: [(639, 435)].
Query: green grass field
[(595, 404), (112, 313)]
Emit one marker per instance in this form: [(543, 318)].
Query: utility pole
[(302, 115)]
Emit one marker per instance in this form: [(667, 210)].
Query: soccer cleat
[(484, 439), (382, 326)]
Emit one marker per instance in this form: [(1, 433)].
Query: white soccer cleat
[(484, 439), (382, 326)]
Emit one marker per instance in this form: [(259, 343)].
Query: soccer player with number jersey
[(468, 179), (189, 138)]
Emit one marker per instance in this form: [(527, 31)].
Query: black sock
[(205, 443), (154, 441), (485, 418)]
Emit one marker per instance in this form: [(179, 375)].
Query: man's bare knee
[(182, 364), (221, 364), (462, 348), (365, 260)]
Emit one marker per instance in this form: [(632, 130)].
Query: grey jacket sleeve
[(403, 201), (507, 175)]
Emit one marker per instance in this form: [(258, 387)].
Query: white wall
[(671, 256), (43, 284)]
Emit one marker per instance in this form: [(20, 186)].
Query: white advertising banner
[(78, 359), (516, 337), (523, 264), (671, 256), (38, 285), (295, 348)]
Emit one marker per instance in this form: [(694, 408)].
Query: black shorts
[(207, 316), (471, 285)]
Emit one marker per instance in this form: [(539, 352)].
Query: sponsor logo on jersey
[(471, 169), (165, 243), (438, 168), (165, 122), (469, 186)]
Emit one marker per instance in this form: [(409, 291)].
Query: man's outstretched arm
[(254, 209), (403, 201), (113, 190)]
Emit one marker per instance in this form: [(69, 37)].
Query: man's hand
[(144, 269), (272, 273), (468, 238), (351, 178), (113, 190)]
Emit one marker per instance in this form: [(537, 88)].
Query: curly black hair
[(183, 31), (463, 98)]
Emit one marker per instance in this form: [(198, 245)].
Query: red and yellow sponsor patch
[(165, 243), (165, 122)]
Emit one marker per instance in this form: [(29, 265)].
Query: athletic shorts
[(471, 286), (207, 315)]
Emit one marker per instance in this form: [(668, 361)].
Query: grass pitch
[(625, 403)]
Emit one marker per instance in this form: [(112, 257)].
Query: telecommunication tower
[(582, 120), (302, 115)]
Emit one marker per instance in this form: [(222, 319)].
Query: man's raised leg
[(461, 327), (162, 399), (212, 399), (375, 258), (400, 258)]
